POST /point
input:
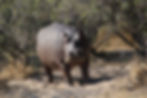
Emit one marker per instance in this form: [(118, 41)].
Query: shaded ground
[(108, 81)]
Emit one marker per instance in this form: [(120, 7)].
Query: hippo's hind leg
[(49, 73)]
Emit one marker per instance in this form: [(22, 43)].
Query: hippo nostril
[(74, 55)]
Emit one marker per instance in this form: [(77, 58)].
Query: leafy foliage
[(20, 20)]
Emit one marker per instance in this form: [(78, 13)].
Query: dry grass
[(116, 87), (107, 40), (15, 69), (138, 73)]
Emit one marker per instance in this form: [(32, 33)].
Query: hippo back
[(50, 42)]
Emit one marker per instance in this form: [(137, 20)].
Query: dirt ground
[(108, 80)]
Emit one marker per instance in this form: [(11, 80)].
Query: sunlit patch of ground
[(109, 80)]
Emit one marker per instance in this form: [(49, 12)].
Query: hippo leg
[(85, 71), (67, 73), (49, 73)]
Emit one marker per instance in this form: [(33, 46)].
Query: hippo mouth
[(74, 58), (78, 55)]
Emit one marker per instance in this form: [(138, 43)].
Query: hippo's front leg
[(85, 71)]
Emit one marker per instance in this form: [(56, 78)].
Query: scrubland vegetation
[(117, 29)]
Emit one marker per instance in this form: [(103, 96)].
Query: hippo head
[(75, 46)]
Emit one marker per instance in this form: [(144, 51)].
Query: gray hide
[(53, 46)]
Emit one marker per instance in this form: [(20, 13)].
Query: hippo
[(61, 47)]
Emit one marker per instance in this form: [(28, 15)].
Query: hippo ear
[(81, 31), (80, 27)]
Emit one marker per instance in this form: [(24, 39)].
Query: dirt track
[(107, 82)]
